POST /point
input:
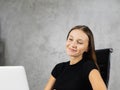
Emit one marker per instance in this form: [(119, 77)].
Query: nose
[(73, 44)]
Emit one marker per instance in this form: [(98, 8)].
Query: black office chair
[(103, 60)]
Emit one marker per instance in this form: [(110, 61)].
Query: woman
[(82, 71)]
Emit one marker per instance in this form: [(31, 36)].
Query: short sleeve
[(88, 66), (57, 70)]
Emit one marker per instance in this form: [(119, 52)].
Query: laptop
[(13, 78)]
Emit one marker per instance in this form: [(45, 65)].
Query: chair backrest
[(103, 60)]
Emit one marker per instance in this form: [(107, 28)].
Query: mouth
[(72, 50)]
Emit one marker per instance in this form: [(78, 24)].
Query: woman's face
[(77, 43)]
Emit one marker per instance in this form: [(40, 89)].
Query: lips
[(72, 50)]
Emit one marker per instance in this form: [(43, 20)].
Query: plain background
[(34, 33)]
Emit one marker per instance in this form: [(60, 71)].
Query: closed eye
[(70, 39), (80, 42)]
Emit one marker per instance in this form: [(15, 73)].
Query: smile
[(72, 50)]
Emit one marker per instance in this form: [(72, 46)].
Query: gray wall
[(34, 33)]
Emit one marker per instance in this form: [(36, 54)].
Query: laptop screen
[(13, 78)]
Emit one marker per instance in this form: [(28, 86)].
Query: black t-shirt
[(73, 77)]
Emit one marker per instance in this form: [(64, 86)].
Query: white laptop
[(13, 78)]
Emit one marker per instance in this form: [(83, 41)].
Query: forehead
[(78, 34)]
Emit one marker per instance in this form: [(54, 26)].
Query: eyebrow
[(80, 40), (70, 36)]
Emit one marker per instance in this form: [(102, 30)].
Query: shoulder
[(89, 62), (58, 69), (88, 66), (60, 65)]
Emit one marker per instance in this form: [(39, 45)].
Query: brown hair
[(91, 55)]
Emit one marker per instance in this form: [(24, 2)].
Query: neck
[(74, 60)]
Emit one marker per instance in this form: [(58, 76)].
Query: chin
[(71, 55)]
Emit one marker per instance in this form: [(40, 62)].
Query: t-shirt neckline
[(76, 64)]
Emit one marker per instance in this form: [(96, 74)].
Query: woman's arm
[(96, 80), (50, 83)]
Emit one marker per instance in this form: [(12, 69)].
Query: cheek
[(67, 44), (82, 48)]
